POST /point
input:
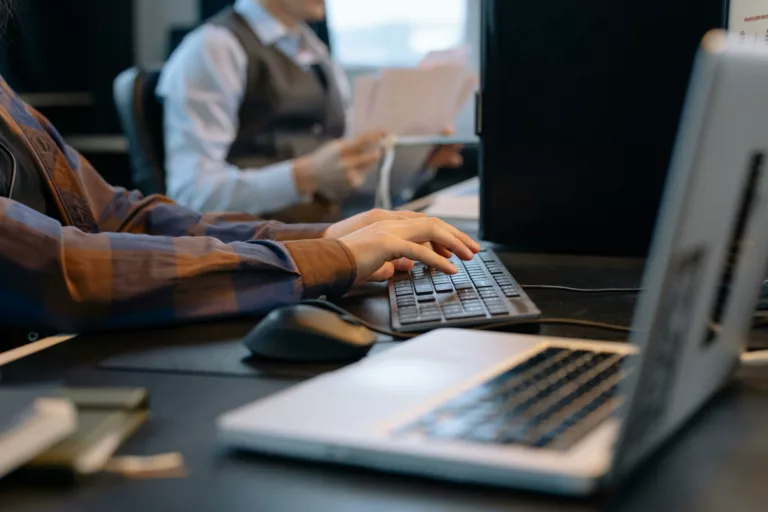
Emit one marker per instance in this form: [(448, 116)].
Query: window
[(391, 33)]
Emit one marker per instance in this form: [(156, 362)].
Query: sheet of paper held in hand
[(421, 101)]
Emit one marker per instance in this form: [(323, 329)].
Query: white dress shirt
[(202, 87)]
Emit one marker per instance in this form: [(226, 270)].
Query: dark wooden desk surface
[(719, 462)]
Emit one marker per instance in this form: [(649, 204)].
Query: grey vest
[(287, 111)]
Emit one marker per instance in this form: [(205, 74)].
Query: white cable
[(384, 188)]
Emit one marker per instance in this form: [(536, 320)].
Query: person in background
[(256, 114)]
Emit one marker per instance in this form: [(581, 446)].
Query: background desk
[(720, 463)]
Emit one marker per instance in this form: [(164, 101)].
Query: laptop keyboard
[(483, 291), (549, 401)]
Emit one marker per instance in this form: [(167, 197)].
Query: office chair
[(141, 117)]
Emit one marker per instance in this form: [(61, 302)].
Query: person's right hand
[(339, 167), (380, 245)]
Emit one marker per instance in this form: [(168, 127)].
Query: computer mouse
[(305, 333)]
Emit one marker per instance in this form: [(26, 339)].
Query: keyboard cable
[(579, 290), (756, 360), (349, 317)]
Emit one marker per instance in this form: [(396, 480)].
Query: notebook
[(106, 418), (30, 424)]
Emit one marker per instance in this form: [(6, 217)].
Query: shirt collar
[(271, 31)]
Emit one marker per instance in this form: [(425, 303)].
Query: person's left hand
[(446, 156), (362, 220)]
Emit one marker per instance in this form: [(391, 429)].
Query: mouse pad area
[(217, 348)]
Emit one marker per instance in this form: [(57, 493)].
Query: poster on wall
[(749, 19)]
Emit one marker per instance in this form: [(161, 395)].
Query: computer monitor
[(579, 108)]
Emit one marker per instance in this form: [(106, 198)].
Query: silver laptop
[(561, 415)]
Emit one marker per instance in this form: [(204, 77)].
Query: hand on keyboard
[(377, 246), (481, 292)]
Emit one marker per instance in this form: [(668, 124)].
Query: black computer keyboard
[(483, 292), (549, 401)]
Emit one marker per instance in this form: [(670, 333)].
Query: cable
[(558, 321), (383, 190), (349, 317), (749, 360), (579, 290)]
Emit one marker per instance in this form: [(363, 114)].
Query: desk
[(719, 464)]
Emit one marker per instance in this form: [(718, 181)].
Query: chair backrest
[(141, 116)]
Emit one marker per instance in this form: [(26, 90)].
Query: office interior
[(570, 147)]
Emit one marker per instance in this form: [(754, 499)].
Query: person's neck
[(281, 14)]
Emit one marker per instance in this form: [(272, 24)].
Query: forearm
[(130, 212), (66, 280)]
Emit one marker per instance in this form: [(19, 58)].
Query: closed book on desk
[(30, 424), (106, 418)]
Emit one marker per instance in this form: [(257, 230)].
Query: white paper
[(464, 208), (409, 102), (455, 56)]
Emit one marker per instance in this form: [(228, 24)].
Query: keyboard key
[(483, 283), (454, 314), (426, 298), (462, 286), (443, 288), (484, 434), (424, 289)]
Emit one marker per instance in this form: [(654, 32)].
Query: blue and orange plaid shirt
[(120, 260)]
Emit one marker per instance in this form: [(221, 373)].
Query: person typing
[(77, 254)]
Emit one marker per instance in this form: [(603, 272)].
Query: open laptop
[(561, 415)]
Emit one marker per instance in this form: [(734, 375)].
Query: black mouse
[(304, 333)]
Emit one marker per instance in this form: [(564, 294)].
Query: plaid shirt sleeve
[(154, 262)]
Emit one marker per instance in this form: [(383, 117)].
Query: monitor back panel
[(580, 104)]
